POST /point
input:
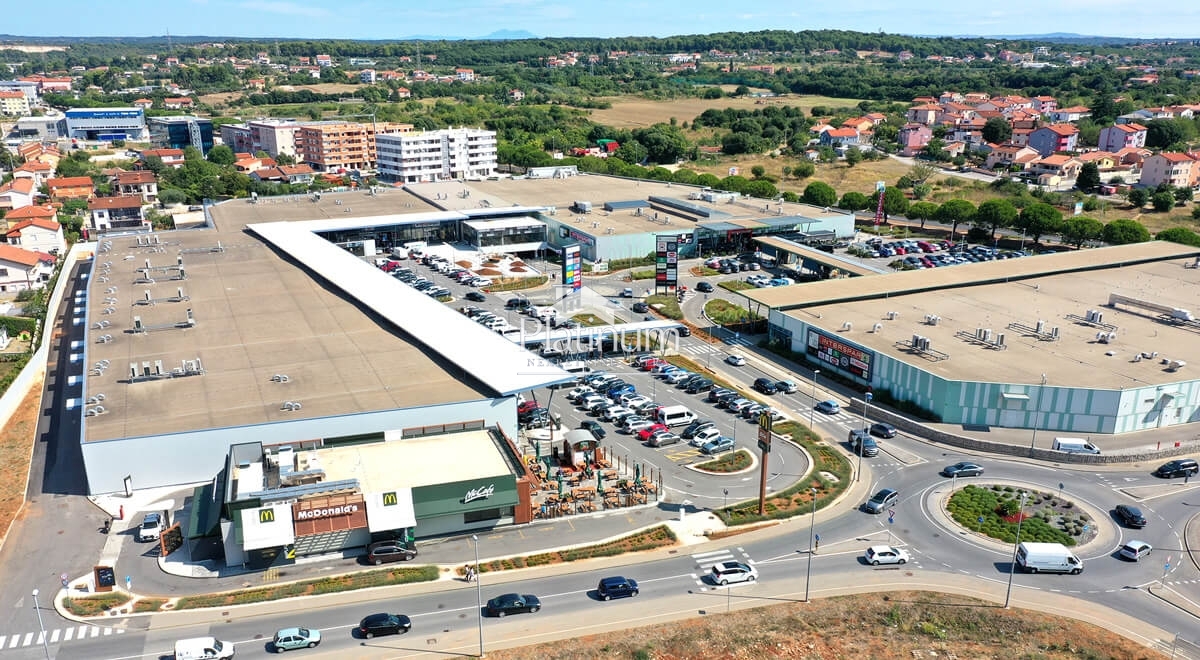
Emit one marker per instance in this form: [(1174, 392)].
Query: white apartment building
[(442, 155), (274, 136)]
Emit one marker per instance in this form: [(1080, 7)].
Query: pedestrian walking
[(467, 572)]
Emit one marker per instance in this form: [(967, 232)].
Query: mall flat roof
[(236, 214), (916, 281), (1059, 299), (429, 460)]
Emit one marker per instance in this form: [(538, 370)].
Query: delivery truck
[(1047, 558)]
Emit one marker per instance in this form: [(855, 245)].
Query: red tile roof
[(69, 182), (22, 185), (14, 254), (32, 212), (121, 202), (43, 223), (136, 177)]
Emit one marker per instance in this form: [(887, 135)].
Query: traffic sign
[(869, 397)]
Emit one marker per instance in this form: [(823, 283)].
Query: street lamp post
[(812, 522), (478, 594), (726, 491), (41, 625), (862, 441), (1013, 566), (812, 411), (1037, 411)]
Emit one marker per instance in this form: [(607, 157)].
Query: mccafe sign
[(327, 512), (481, 493)]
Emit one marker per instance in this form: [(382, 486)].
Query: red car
[(651, 363), (527, 406), (645, 433)]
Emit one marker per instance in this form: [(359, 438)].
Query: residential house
[(1069, 115), (465, 75), (367, 76), (955, 149), (1044, 105), (324, 61), (860, 124), (17, 194), (403, 93), (840, 136), (120, 213), (22, 269), (1020, 136), (14, 103), (1176, 169), (1011, 157), (1054, 138), (301, 173), (923, 114), (72, 187), (913, 138), (1133, 157), (1142, 80), (1104, 160), (40, 234), (144, 104), (35, 171), (170, 157), (1118, 136), (516, 95), (178, 103), (41, 153), (142, 183), (35, 212), (1056, 168)]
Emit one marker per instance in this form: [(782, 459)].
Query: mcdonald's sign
[(390, 499), (266, 515)]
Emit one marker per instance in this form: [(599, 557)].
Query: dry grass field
[(634, 112), (896, 626)]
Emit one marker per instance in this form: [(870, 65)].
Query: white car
[(733, 571), (705, 436), (736, 360), (637, 425), (886, 554), (591, 400), (615, 411), (635, 401), (1135, 550), (481, 281), (677, 376), (579, 392)]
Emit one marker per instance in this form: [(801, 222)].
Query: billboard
[(666, 261), (833, 351), (572, 268)]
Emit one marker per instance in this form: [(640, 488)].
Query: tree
[(1081, 229), (1038, 219), (285, 159), (922, 190), (894, 202), (854, 156), (1123, 232), (632, 151), (1181, 235), (804, 169), (1162, 201), (819, 193), (221, 155), (854, 201), (922, 211), (955, 212), (1089, 177), (994, 214), (664, 143), (997, 130), (170, 196), (1162, 133), (921, 172), (758, 171), (1184, 194), (1138, 197)]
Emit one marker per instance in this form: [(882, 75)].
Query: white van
[(1075, 446), (1048, 558), (675, 415), (202, 648)]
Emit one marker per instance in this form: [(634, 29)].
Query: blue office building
[(181, 132), (106, 124)]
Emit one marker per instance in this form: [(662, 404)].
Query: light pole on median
[(812, 522), (478, 594), (41, 625), (726, 491), (812, 411), (863, 440), (1017, 544)]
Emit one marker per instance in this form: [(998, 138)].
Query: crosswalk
[(706, 560), (737, 341), (700, 349), (84, 631)]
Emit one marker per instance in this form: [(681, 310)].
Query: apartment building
[(13, 103), (455, 153), (331, 146), (274, 136)]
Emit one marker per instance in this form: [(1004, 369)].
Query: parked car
[(717, 392), (151, 527), (677, 377), (697, 385), (592, 425), (733, 571), (829, 407), (634, 425), (885, 554), (513, 604), (963, 469), (384, 624), (1135, 550), (616, 587), (786, 386), (289, 639), (708, 434), (1180, 467), (736, 360), (663, 438), (647, 432), (881, 500), (1131, 516), (719, 445), (882, 430), (383, 552), (765, 385), (697, 426), (738, 405), (615, 412)]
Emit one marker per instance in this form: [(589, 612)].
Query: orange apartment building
[(333, 146)]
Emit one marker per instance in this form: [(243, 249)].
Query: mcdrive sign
[(841, 355)]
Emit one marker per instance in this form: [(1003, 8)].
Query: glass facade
[(501, 237), (180, 132)]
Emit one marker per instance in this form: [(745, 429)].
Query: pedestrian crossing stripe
[(57, 635)]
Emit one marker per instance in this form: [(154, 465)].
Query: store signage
[(327, 512), (479, 493), (572, 268), (266, 515), (581, 237), (390, 499), (666, 260), (837, 353)]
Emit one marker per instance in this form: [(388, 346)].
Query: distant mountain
[(1063, 37), (509, 35)]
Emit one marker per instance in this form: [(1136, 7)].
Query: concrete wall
[(185, 458)]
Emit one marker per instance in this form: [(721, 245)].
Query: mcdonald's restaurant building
[(296, 500)]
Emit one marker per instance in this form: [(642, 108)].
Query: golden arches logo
[(266, 515), (390, 499)]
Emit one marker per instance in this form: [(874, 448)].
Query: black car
[(765, 385), (882, 430), (716, 393), (963, 469), (684, 331), (475, 296), (1180, 467), (388, 551), (696, 427), (704, 287), (1131, 516), (513, 604), (593, 426), (640, 307), (617, 587), (384, 624), (700, 385)]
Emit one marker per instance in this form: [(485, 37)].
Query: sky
[(397, 19)]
